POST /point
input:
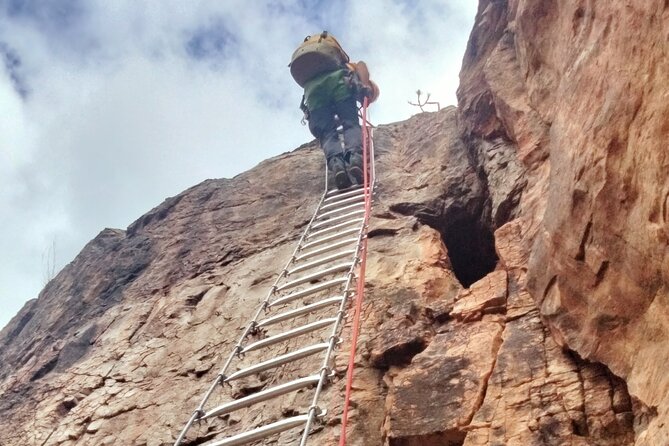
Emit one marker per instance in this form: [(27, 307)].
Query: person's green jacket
[(327, 88)]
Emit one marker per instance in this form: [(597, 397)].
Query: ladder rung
[(279, 360), (335, 192), (337, 219), (308, 291), (317, 275), (328, 248), (263, 432), (289, 334), (321, 261), (329, 238), (350, 207), (299, 311), (344, 195), (336, 227), (264, 395), (342, 202)]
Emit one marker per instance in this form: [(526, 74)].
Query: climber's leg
[(323, 125), (348, 114)]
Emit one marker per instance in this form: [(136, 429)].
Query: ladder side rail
[(372, 164)]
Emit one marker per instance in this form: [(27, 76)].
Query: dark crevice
[(66, 406), (200, 373), (448, 438), (155, 215), (579, 427), (249, 388), (551, 283), (192, 301), (469, 241), (400, 354), (643, 415), (471, 249), (381, 232), (45, 369), (19, 326), (77, 347), (476, 200), (601, 273), (630, 415), (580, 255), (202, 439)]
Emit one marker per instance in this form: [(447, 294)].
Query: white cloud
[(119, 115)]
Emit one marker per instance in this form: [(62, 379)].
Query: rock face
[(580, 89), (517, 277)]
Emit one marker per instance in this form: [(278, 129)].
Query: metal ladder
[(311, 295)]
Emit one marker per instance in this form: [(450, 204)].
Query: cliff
[(518, 270), (579, 89)]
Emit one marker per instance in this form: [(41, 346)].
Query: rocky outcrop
[(516, 276), (577, 87)]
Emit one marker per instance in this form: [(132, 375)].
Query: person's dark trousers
[(323, 126)]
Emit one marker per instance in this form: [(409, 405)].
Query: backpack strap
[(305, 111), (360, 83)]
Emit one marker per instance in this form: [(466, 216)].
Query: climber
[(332, 85)]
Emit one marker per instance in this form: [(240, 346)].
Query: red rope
[(360, 286)]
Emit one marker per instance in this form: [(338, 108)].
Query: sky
[(107, 107)]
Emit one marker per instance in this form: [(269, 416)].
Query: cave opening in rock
[(471, 248)]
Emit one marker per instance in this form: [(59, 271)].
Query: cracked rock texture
[(517, 277), (580, 89)]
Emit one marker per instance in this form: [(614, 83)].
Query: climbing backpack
[(317, 54)]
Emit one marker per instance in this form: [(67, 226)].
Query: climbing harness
[(309, 297)]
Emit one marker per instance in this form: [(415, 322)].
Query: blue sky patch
[(46, 14), (62, 24), (321, 14), (12, 64), (212, 43), (314, 10)]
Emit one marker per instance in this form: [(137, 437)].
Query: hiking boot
[(355, 166), (338, 168)]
